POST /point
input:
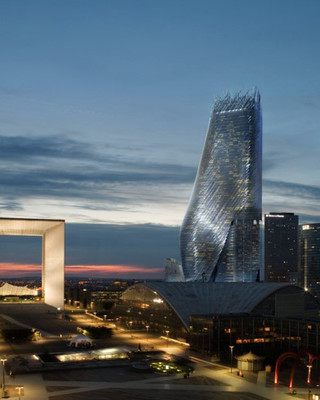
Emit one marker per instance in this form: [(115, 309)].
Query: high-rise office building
[(281, 247), (220, 233), (310, 257)]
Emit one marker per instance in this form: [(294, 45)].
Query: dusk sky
[(104, 107)]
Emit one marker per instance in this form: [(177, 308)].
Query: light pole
[(167, 332), (231, 355), (4, 393), (130, 322), (309, 366), (147, 328), (19, 391)]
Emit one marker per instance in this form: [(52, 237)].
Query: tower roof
[(236, 102)]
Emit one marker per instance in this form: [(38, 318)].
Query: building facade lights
[(220, 234)]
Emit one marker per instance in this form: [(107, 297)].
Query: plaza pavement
[(225, 386), (63, 387)]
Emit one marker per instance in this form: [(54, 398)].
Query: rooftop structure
[(171, 304)]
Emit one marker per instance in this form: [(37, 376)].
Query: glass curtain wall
[(142, 308), (220, 232)]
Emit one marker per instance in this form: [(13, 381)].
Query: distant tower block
[(173, 270), (281, 247), (310, 257), (53, 252), (220, 234)]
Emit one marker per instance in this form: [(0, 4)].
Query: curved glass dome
[(141, 307)]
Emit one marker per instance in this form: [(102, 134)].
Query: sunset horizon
[(13, 270)]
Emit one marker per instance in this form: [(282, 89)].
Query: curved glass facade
[(220, 232), (143, 308)]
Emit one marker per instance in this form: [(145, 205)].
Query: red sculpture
[(296, 357)]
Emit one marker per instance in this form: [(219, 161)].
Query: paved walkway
[(22, 325), (224, 384), (35, 385)]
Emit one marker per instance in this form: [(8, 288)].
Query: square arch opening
[(53, 252)]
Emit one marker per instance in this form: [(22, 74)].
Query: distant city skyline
[(104, 108)]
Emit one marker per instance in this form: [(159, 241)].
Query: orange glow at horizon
[(24, 270)]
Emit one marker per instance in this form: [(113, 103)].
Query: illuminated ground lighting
[(53, 252), (170, 368), (20, 391), (113, 353), (4, 392), (175, 341)]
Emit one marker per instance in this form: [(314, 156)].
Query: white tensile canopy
[(13, 290), (80, 340)]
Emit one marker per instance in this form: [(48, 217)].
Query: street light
[(147, 328), (19, 391), (231, 355), (4, 392), (130, 322), (309, 366), (167, 332)]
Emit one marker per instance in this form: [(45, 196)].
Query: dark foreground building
[(220, 232), (281, 247), (264, 335), (310, 258)]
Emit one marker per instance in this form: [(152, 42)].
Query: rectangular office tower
[(219, 237), (310, 257), (281, 247)]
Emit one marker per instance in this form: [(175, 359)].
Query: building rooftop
[(191, 298)]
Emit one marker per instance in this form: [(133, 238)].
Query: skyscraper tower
[(281, 247), (310, 257), (219, 237)]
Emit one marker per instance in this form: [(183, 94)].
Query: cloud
[(145, 245), (13, 148), (56, 167), (13, 270), (10, 204), (309, 219), (292, 189), (96, 249), (20, 249), (271, 160), (113, 271), (299, 198), (111, 183)]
